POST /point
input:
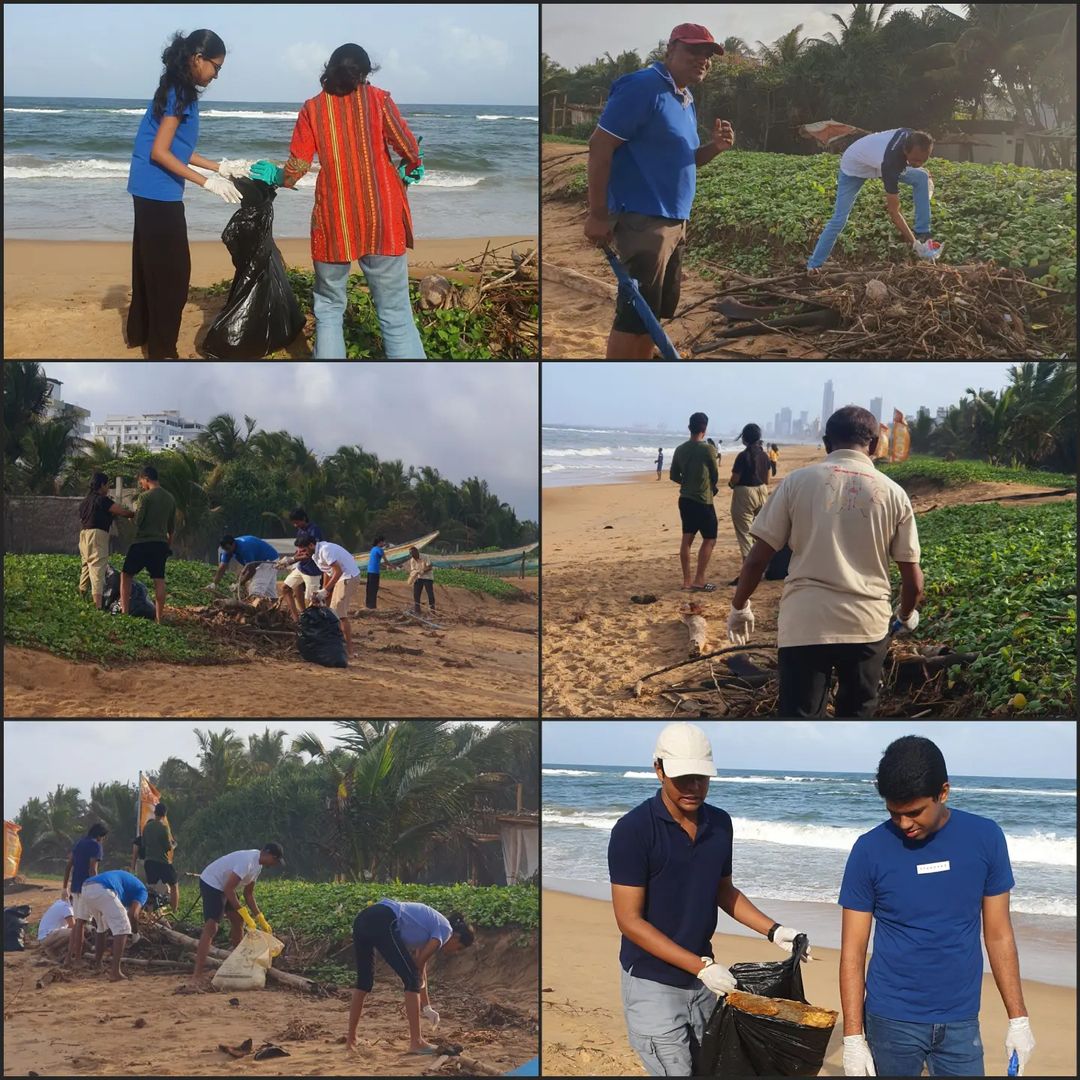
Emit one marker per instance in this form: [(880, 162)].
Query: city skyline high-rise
[(827, 402)]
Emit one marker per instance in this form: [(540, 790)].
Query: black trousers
[(806, 674), (376, 928), (418, 587), (372, 593), (160, 275)]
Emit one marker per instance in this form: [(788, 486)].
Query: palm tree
[(1044, 418), (223, 441), (26, 400), (862, 23), (735, 46), (785, 49), (113, 805), (221, 760), (48, 447), (267, 751)]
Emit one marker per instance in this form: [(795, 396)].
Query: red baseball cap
[(693, 34)]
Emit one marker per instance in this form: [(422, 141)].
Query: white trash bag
[(263, 582), (246, 966)]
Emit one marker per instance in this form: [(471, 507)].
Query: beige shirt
[(843, 521), (420, 570)]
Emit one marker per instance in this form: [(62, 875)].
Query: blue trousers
[(901, 1048), (847, 187)]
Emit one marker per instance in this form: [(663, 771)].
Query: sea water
[(66, 166), (794, 830)]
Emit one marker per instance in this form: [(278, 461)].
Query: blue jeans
[(847, 187), (901, 1048), (666, 1023), (388, 279)]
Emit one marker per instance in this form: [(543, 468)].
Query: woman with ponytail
[(407, 936), (160, 163)]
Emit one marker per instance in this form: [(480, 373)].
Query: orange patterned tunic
[(360, 203)]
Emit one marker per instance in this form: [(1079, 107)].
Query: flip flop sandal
[(707, 587)]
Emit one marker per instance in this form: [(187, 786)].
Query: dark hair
[(348, 67), (458, 923), (911, 768), (97, 480), (380, 540), (773, 446), (226, 540), (920, 140), (299, 514), (751, 434), (416, 549), (97, 831), (160, 810), (276, 850), (149, 472), (304, 539), (853, 426), (177, 74), (698, 423)]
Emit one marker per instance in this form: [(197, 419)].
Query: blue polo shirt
[(681, 879), (417, 924), (127, 887), (307, 566), (374, 560), (82, 854), (147, 178), (249, 549), (654, 171), (926, 897)]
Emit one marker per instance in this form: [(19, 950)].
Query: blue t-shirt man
[(82, 854), (307, 566), (926, 899), (250, 549), (654, 172), (128, 887), (418, 923), (147, 178), (374, 562)]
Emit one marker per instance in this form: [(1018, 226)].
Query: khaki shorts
[(104, 905), (651, 249), (344, 591), (311, 584)]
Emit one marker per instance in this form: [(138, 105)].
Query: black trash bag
[(320, 638), (777, 569), (140, 605), (739, 1044), (261, 314), (111, 593), (15, 919)]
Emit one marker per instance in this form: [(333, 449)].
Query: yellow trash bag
[(12, 849), (246, 966)]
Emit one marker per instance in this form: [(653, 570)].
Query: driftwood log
[(698, 630), (574, 279)]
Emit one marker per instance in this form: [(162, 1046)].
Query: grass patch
[(957, 473), (1001, 582), (465, 579), (566, 139)]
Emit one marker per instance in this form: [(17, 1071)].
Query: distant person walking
[(376, 558), (659, 462), (694, 468), (155, 520), (422, 577), (96, 513), (749, 488), (774, 457)]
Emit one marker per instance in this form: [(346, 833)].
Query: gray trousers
[(665, 1023)]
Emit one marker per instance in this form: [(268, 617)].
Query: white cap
[(685, 751)]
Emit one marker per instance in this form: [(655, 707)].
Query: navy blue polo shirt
[(681, 879)]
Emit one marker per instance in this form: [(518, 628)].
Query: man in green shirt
[(155, 520), (695, 469), (157, 844)]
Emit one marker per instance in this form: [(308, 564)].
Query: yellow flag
[(149, 797), (12, 849), (901, 437), (882, 450)]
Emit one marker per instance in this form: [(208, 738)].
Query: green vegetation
[(465, 579), (566, 139), (1001, 582), (949, 474)]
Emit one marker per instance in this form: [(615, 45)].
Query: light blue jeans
[(901, 1048), (666, 1023), (847, 187), (387, 277)]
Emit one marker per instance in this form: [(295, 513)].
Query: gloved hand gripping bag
[(261, 314)]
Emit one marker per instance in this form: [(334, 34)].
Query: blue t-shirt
[(374, 558), (147, 178), (654, 171), (418, 924), (84, 851), (307, 566), (649, 849), (249, 549), (126, 886), (926, 897)]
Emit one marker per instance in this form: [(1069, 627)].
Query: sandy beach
[(68, 300), (83, 1025), (584, 1033), (482, 663)]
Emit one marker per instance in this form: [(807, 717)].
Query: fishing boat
[(478, 559), (395, 553)]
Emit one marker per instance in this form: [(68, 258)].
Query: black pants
[(806, 674), (372, 593), (418, 588), (376, 928), (160, 275)]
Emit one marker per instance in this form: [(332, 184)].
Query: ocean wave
[(450, 180), (36, 110), (92, 168), (1048, 848), (500, 116), (596, 451), (577, 817), (1043, 905), (567, 772), (243, 114), (1017, 791), (553, 468)]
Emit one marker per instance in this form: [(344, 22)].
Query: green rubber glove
[(417, 174), (268, 173)]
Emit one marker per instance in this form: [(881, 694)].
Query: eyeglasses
[(217, 67), (701, 50)]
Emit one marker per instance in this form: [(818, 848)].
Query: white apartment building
[(165, 430), (57, 405)]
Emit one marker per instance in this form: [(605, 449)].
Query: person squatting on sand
[(407, 936), (670, 864), (926, 876), (695, 468), (843, 521)]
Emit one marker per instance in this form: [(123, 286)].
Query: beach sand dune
[(68, 300), (584, 1032)]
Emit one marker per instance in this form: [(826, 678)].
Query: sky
[(40, 754), (1045, 749), (464, 419), (431, 54), (663, 395), (575, 34)]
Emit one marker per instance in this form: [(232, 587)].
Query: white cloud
[(467, 47), (307, 58)]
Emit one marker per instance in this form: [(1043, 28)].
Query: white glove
[(930, 184), (211, 587), (428, 1013), (219, 185), (233, 168), (785, 939), (904, 626), (858, 1061), (1020, 1039), (716, 977), (283, 563), (740, 624), (321, 594)]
